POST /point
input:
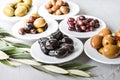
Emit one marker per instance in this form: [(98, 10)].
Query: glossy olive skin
[(57, 45)]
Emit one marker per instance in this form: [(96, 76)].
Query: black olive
[(61, 52), (52, 44), (28, 26), (45, 27), (57, 35), (51, 53), (42, 42), (70, 47), (67, 40), (44, 50)]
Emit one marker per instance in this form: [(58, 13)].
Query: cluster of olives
[(57, 7), (17, 8), (35, 24), (106, 43), (82, 24), (57, 45)]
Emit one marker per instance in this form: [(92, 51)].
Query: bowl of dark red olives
[(34, 27), (81, 26), (57, 48)]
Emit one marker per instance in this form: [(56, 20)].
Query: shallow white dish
[(74, 9), (52, 27), (41, 57), (95, 55), (14, 18), (63, 26)]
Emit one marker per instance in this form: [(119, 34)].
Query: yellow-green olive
[(8, 11), (29, 2), (17, 1), (23, 4), (20, 11)]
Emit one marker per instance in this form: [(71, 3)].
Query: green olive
[(108, 39), (111, 51), (96, 41), (20, 11)]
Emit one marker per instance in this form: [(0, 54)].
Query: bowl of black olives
[(57, 48)]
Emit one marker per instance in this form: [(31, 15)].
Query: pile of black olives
[(58, 45)]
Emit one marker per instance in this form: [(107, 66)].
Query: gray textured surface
[(107, 10)]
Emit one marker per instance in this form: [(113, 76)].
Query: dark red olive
[(77, 28), (71, 19), (97, 25), (79, 22), (33, 31), (83, 28), (32, 19), (71, 28), (82, 17), (71, 24)]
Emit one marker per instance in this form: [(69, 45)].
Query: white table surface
[(107, 10)]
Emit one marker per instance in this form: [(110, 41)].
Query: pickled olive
[(57, 35), (64, 9), (29, 2), (57, 45), (57, 7), (106, 43), (23, 4), (52, 44), (40, 30), (21, 31), (82, 24), (67, 40), (39, 22), (62, 52), (21, 11), (35, 24), (9, 11)]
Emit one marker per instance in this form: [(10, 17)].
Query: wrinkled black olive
[(67, 40), (57, 35), (44, 50), (70, 47), (52, 44), (42, 42), (61, 52), (51, 53)]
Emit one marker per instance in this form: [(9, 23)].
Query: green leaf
[(6, 62), (7, 48), (20, 45), (83, 67), (12, 40), (3, 55), (28, 62), (70, 65), (17, 50), (55, 69), (21, 56), (79, 73)]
